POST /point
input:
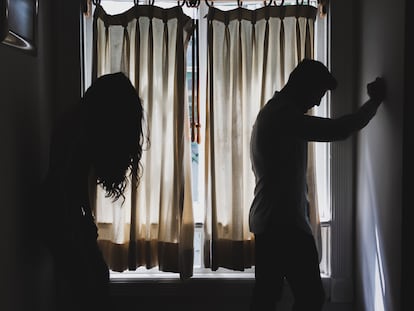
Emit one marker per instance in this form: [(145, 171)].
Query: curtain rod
[(195, 3), (323, 4)]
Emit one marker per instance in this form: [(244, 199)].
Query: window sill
[(142, 274)]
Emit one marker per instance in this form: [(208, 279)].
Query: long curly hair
[(114, 126)]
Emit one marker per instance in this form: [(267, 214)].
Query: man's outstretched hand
[(377, 89)]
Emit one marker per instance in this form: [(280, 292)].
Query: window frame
[(199, 272)]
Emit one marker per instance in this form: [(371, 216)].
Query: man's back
[(278, 159)]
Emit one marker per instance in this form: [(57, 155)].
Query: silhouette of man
[(99, 141), (284, 245)]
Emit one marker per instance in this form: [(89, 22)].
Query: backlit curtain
[(154, 226), (251, 54)]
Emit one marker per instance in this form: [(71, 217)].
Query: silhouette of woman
[(99, 141)]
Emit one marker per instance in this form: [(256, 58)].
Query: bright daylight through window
[(322, 150)]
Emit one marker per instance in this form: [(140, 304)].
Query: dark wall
[(24, 125), (407, 302), (381, 52), (33, 90)]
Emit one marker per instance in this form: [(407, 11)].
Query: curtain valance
[(149, 11), (265, 12)]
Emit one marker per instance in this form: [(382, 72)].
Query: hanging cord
[(198, 83), (195, 88), (193, 138)]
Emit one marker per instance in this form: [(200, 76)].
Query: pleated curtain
[(250, 56), (153, 226)]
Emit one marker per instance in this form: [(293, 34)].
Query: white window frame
[(342, 62)]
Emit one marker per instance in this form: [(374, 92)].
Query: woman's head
[(114, 117)]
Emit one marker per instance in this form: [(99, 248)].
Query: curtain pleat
[(251, 54), (153, 226)]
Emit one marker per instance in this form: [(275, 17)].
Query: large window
[(322, 150)]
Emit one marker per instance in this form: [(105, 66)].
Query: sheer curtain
[(251, 54), (154, 225)]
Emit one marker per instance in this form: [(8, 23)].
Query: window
[(322, 149)]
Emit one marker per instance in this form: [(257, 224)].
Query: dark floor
[(194, 295)]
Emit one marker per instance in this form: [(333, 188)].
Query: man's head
[(310, 80), (114, 117)]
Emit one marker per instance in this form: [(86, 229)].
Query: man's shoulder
[(275, 110)]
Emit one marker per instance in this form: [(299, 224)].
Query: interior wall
[(407, 303), (379, 158), (24, 126), (34, 89)]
